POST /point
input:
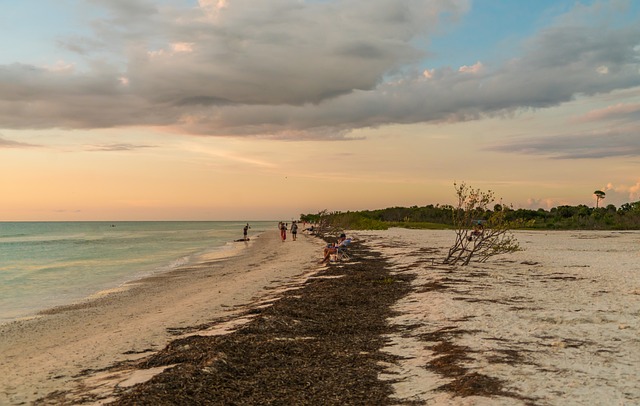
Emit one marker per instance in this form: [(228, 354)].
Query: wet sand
[(50, 353)]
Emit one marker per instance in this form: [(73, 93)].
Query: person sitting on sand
[(332, 249), (478, 229)]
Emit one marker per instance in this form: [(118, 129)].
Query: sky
[(263, 110)]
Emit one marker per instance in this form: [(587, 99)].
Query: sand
[(555, 324), (61, 349)]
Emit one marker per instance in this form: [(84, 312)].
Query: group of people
[(329, 250), (283, 230), (283, 227)]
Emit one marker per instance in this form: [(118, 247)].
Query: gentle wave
[(44, 265)]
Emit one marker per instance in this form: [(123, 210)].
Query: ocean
[(49, 264)]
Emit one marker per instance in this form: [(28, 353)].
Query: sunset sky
[(262, 110)]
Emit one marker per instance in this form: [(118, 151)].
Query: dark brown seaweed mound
[(318, 345)]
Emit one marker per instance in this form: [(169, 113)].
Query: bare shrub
[(480, 232)]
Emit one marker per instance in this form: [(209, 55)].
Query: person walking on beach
[(245, 230), (283, 231), (294, 231)]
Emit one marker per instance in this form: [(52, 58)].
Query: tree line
[(580, 217)]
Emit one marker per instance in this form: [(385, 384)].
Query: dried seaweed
[(319, 344)]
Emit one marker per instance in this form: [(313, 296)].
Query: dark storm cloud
[(287, 68)]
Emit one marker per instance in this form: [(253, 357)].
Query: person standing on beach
[(283, 231), (245, 230), (294, 231)]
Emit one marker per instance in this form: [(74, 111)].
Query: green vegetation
[(581, 217), (481, 233)]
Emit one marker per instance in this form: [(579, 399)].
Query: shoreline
[(222, 252), (554, 324), (318, 344), (56, 264), (49, 352)]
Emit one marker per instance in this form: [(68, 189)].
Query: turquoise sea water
[(47, 264)]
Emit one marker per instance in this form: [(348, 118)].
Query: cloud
[(291, 69), (620, 111), (615, 143), (543, 203), (4, 143), (616, 194), (476, 68), (117, 147), (622, 192)]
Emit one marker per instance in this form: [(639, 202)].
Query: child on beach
[(294, 231), (283, 231)]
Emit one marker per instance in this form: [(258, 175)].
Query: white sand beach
[(54, 352), (558, 323)]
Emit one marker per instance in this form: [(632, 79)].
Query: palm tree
[(599, 196)]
